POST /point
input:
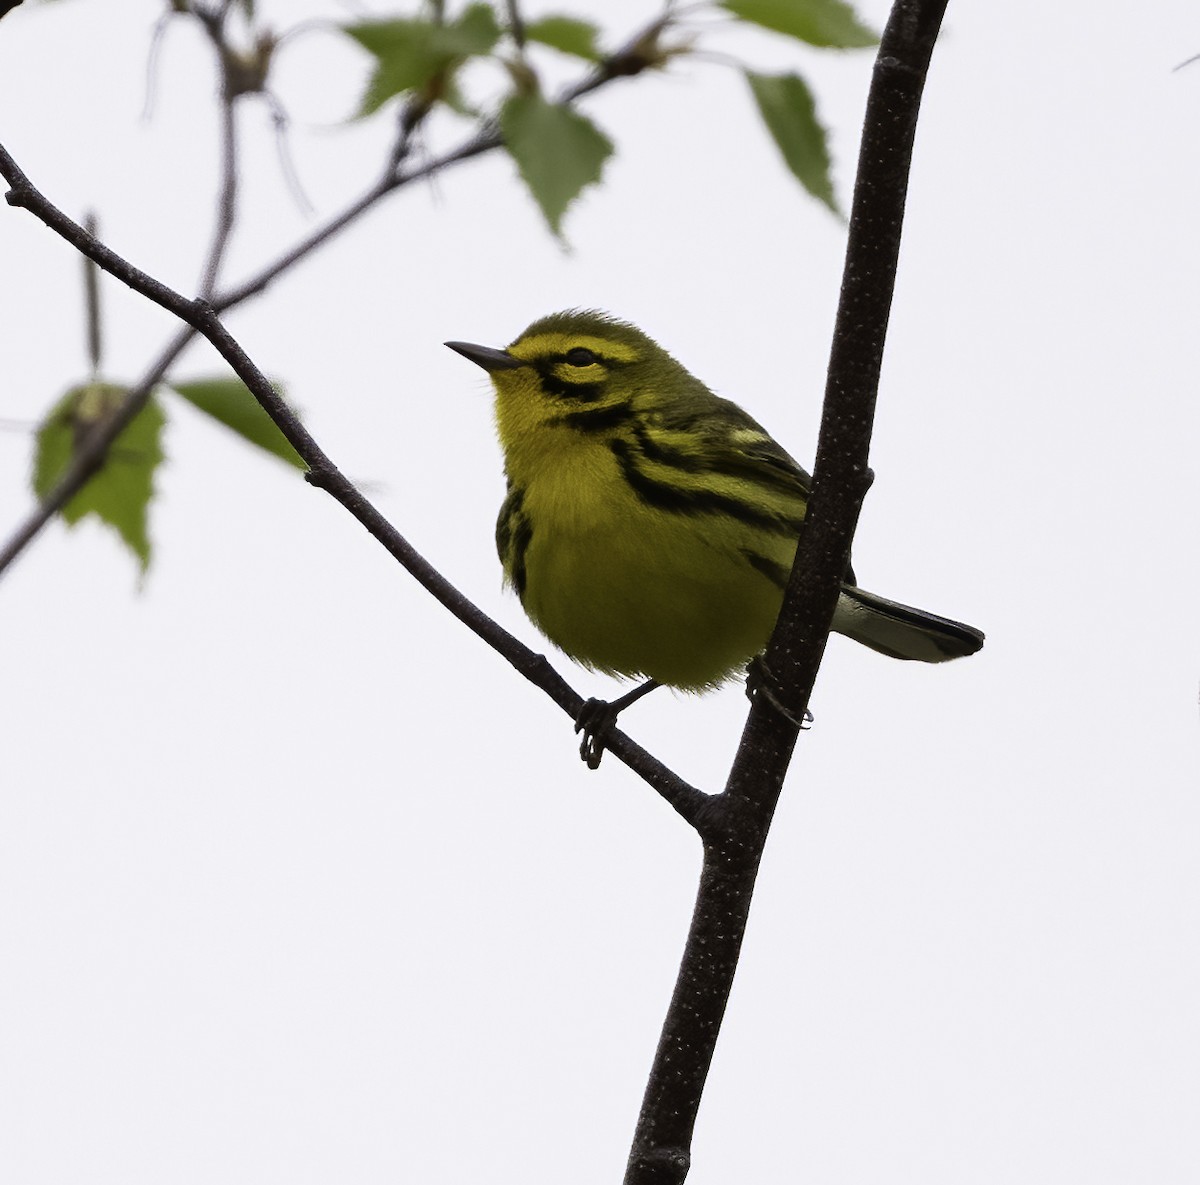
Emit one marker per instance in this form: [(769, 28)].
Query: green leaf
[(567, 35), (828, 23), (557, 150), (789, 112), (229, 402), (119, 494), (419, 55)]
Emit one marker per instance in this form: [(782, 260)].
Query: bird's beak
[(486, 357)]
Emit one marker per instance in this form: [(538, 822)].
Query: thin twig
[(516, 24), (213, 23), (486, 139), (91, 303), (736, 822), (226, 198), (156, 39)]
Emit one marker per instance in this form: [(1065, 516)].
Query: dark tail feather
[(900, 631)]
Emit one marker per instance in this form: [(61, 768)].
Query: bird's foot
[(595, 721)]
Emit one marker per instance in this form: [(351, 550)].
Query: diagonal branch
[(203, 319), (736, 822)]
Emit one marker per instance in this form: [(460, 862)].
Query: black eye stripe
[(582, 392)]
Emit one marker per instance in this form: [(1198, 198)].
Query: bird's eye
[(580, 357)]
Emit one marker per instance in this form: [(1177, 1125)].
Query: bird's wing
[(737, 443)]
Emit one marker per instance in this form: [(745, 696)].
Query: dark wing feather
[(708, 417)]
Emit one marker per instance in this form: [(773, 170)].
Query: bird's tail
[(900, 631)]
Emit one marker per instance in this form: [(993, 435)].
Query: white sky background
[(298, 883)]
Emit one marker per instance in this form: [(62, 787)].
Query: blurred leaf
[(789, 112), (229, 402), (827, 23), (120, 492), (557, 150), (413, 54), (567, 35), (450, 96)]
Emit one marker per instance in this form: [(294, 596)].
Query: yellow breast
[(631, 589)]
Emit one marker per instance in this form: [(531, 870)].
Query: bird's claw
[(595, 721), (760, 681)]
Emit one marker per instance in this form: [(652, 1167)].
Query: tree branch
[(735, 823), (203, 319)]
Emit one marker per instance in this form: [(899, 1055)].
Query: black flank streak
[(521, 540), (513, 534), (510, 508)]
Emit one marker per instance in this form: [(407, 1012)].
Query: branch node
[(320, 477), (720, 816), (536, 665)]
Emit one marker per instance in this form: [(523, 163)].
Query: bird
[(649, 525)]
